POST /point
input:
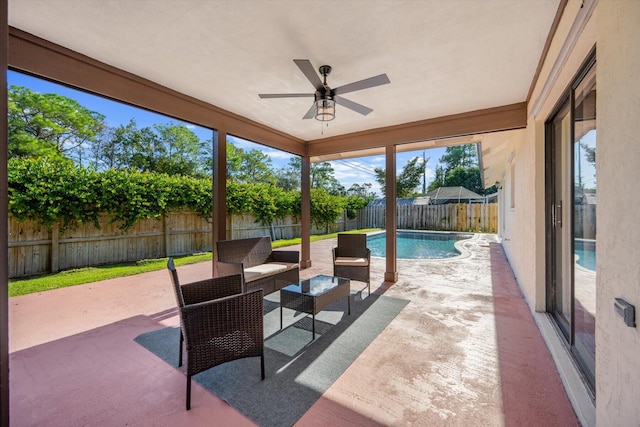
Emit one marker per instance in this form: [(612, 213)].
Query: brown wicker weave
[(218, 323), (353, 245), (234, 256)]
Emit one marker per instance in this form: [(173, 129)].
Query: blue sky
[(348, 172)]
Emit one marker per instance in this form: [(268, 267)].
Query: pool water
[(415, 245), (586, 253)]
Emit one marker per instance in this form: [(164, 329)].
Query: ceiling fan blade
[(382, 79), (310, 72), (311, 113), (358, 108), (286, 95)]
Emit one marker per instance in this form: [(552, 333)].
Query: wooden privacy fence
[(450, 217), (36, 249), (584, 222), (242, 226)]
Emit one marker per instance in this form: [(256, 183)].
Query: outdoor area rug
[(297, 369)]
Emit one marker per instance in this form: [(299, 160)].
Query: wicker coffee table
[(311, 296)]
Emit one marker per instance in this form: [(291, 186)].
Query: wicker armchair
[(218, 323), (352, 258)]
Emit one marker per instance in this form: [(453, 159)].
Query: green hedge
[(51, 190)]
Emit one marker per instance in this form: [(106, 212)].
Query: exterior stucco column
[(219, 226), (391, 271), (305, 213)]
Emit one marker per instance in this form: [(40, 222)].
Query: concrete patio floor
[(464, 352)]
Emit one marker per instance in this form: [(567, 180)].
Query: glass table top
[(317, 285)]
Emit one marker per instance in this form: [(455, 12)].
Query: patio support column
[(219, 225), (391, 271), (4, 235), (305, 213)]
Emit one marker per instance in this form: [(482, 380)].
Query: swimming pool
[(585, 250), (418, 245)]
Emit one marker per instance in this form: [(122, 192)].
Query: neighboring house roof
[(437, 196), (403, 201), (583, 197), (443, 194)]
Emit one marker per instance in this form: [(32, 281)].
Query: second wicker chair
[(352, 258)]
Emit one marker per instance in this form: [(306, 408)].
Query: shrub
[(325, 208), (55, 189), (50, 190)]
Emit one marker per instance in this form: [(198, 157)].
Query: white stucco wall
[(524, 236), (618, 249), (517, 239)]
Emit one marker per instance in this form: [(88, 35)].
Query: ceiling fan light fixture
[(325, 109)]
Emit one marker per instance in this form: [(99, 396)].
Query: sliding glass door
[(571, 218)]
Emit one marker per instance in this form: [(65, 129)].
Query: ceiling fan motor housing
[(325, 70), (326, 95)]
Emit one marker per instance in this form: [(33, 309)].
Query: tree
[(170, 148), (321, 177), (256, 167), (459, 168), (590, 153), (251, 166), (288, 179), (467, 177), (102, 150), (363, 190), (325, 208), (407, 181), (177, 151), (141, 148), (459, 155), (438, 180), (113, 150), (234, 161), (49, 125)]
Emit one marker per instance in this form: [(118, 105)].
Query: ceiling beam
[(495, 119), (44, 59)]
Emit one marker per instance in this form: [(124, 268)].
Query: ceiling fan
[(325, 98)]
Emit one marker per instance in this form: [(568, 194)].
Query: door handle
[(558, 214)]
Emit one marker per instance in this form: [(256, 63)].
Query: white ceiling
[(442, 56)]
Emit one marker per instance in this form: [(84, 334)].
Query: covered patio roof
[(456, 68)]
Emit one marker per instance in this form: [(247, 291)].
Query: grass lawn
[(80, 276)]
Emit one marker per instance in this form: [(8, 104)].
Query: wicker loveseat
[(261, 267)]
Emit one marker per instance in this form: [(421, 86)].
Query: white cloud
[(344, 172), (430, 172), (353, 171)]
